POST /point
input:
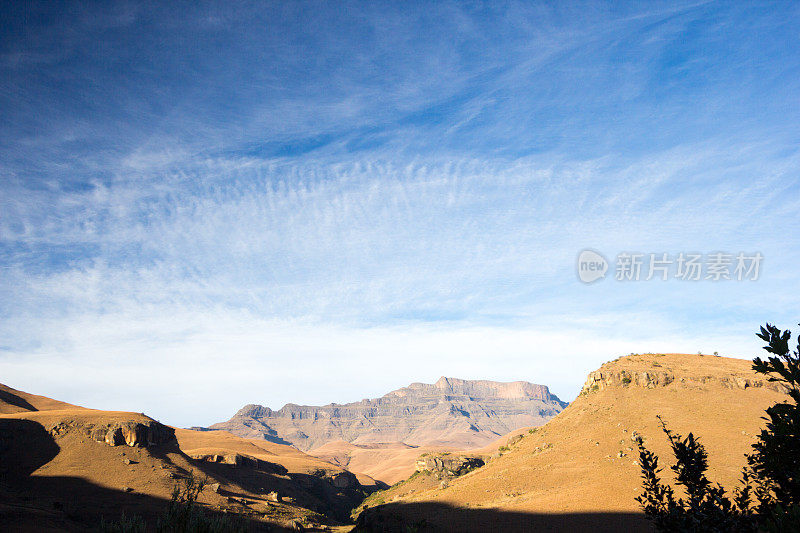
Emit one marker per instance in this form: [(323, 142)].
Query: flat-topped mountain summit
[(451, 412), (478, 389)]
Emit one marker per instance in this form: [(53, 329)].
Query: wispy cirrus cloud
[(288, 194)]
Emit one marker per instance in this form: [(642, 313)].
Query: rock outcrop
[(240, 460), (343, 480), (600, 379), (451, 412), (611, 375), (447, 465), (140, 434)]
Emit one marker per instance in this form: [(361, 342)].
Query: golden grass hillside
[(580, 470), (388, 462), (15, 401)]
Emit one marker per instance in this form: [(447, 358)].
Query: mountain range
[(452, 412), (63, 466)]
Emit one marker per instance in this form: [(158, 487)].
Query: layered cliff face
[(451, 412), (649, 371)]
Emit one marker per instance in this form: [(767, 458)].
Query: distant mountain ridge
[(451, 412)]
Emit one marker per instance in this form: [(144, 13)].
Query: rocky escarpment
[(613, 375), (601, 379), (240, 460), (342, 479), (448, 465), (478, 389), (453, 412), (121, 433)]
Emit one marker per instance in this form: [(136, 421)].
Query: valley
[(462, 464)]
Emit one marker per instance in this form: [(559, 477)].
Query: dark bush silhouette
[(125, 524), (769, 498), (183, 515)]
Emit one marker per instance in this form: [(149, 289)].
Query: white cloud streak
[(346, 203), (197, 367)]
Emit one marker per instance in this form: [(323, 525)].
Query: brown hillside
[(579, 470), (205, 443), (62, 469), (14, 401), (387, 462)]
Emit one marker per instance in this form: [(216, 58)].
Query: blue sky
[(205, 205)]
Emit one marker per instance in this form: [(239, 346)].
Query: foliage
[(183, 515), (593, 388), (775, 463), (706, 507), (125, 524), (769, 498)]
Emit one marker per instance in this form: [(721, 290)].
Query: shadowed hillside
[(441, 517), (70, 467)]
